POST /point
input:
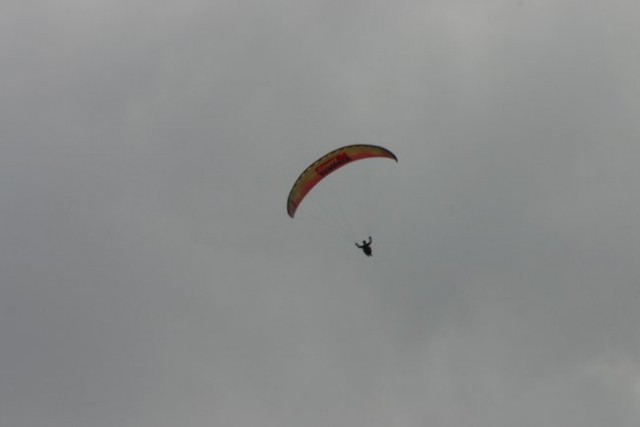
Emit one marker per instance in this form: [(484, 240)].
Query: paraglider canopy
[(327, 164)]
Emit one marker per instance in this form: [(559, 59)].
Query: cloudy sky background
[(149, 274)]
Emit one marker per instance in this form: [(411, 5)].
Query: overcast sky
[(149, 273)]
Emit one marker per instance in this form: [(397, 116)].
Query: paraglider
[(325, 166), (366, 247)]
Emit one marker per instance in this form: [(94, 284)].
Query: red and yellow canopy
[(327, 164)]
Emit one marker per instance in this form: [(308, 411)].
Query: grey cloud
[(149, 274)]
